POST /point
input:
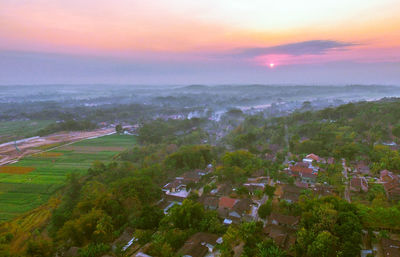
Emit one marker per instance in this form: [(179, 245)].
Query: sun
[(271, 65)]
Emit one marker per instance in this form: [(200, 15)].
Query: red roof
[(308, 175), (227, 202), (301, 169), (313, 156)]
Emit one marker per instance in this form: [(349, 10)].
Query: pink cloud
[(360, 55)]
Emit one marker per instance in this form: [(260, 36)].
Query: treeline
[(354, 131), (180, 132), (347, 131), (256, 133), (69, 125)]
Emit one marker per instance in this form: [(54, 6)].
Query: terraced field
[(21, 191)]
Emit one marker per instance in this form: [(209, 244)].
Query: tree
[(324, 245), (190, 157), (265, 209), (268, 248), (160, 247), (269, 190), (187, 215), (330, 227), (374, 191), (119, 129), (242, 191), (241, 159), (396, 131), (149, 218)]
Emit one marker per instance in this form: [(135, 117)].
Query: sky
[(200, 42)]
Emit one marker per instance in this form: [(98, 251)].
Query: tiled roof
[(284, 219), (210, 201), (173, 184), (242, 206), (196, 245), (313, 156), (282, 236), (226, 202), (300, 169)]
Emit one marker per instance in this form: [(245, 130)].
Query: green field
[(9, 130), (22, 192)]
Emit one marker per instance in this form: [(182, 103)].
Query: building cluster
[(234, 208)]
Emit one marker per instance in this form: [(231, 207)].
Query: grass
[(20, 193)]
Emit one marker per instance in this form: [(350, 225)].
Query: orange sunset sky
[(213, 42)]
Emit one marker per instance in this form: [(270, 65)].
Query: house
[(302, 185), (184, 180), (323, 190), (309, 178), (390, 247), (241, 209), (291, 193), (261, 179), (224, 189), (283, 237), (358, 184), (283, 220), (362, 168), (391, 184), (234, 209), (298, 168), (253, 187), (209, 202), (313, 157), (193, 176), (176, 190), (226, 202), (302, 164), (387, 176), (175, 186), (307, 174), (392, 190), (199, 245)]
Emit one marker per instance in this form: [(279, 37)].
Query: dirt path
[(9, 154)]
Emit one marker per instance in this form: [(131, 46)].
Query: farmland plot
[(30, 182)]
